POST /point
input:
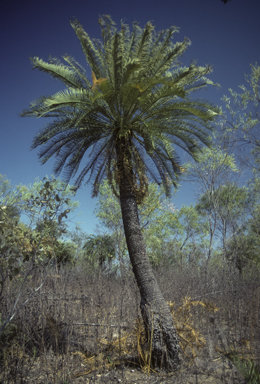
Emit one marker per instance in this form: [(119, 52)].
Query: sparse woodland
[(70, 307)]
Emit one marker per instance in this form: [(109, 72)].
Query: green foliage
[(108, 208), (229, 201), (46, 202), (248, 369), (133, 113), (78, 238), (214, 167), (224, 210), (189, 236), (64, 253), (11, 198), (10, 239), (46, 205), (243, 248)]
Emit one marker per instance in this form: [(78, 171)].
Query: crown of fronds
[(137, 100)]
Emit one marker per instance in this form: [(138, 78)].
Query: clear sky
[(226, 36)]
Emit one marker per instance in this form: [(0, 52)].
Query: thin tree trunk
[(163, 342)]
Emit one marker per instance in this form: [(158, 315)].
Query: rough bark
[(161, 333)]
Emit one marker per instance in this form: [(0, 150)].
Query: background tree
[(58, 192), (243, 247), (78, 238), (228, 204), (10, 197), (239, 135), (240, 125), (64, 253), (44, 205), (108, 211), (100, 251), (128, 120), (24, 249), (214, 169), (188, 233)]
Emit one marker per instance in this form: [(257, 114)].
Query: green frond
[(131, 70), (90, 49), (144, 47), (68, 98), (108, 28), (166, 55), (81, 72), (57, 70)]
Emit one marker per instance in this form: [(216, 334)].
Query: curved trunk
[(161, 333)]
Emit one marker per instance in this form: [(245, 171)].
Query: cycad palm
[(124, 126)]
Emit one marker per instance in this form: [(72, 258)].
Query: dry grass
[(86, 329)]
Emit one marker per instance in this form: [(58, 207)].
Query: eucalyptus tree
[(124, 126), (240, 125), (214, 169), (228, 206)]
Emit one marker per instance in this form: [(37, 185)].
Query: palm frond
[(145, 43), (57, 70), (90, 49), (69, 97), (166, 54), (81, 72)]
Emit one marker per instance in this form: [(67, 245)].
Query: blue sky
[(224, 35)]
